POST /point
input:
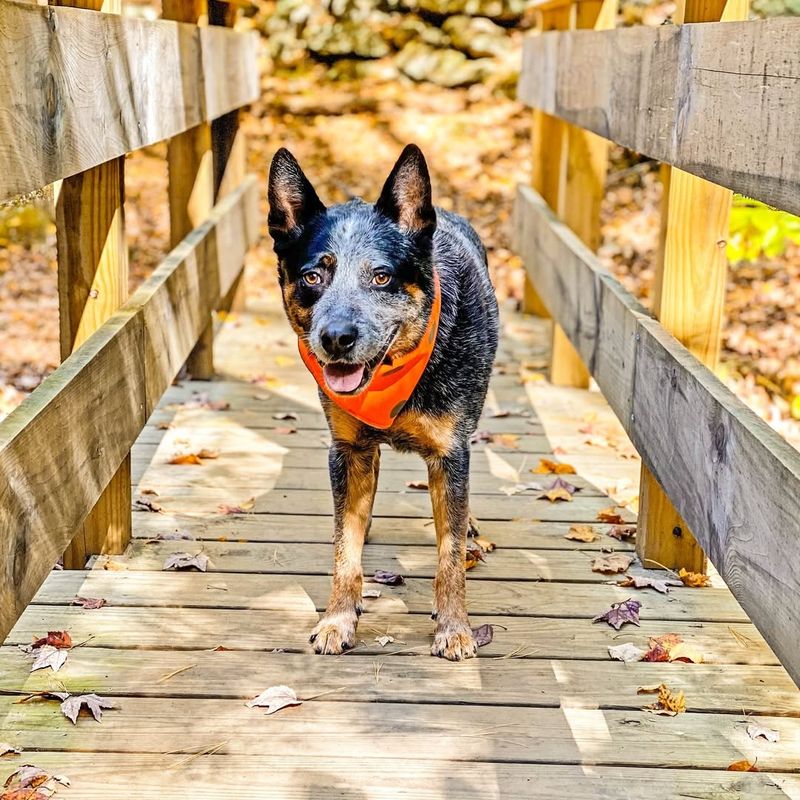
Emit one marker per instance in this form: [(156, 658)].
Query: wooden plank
[(514, 682), (111, 99), (284, 591), (689, 288), (667, 91), (384, 530), (254, 630), (296, 777), (55, 459), (466, 733), (92, 285)]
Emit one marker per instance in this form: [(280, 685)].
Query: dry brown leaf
[(668, 703), (89, 603), (753, 731), (60, 639), (582, 533), (642, 582), (483, 634), (694, 579), (556, 495), (743, 766), (6, 749), (470, 563), (620, 613), (274, 699), (610, 515), (384, 640), (284, 431), (510, 440), (627, 652), (421, 485), (370, 594), (609, 564), (283, 416), (388, 578), (181, 561), (193, 458), (623, 532), (242, 508), (485, 544), (147, 505), (149, 491), (546, 467), (93, 703)]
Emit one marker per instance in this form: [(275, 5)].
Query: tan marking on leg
[(433, 433)]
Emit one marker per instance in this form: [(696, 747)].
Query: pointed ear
[(406, 195), (292, 199)]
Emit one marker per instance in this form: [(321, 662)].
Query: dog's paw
[(334, 634), (454, 642)]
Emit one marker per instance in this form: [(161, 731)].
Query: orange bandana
[(392, 382)]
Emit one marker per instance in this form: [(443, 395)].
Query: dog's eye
[(312, 278), (381, 278)]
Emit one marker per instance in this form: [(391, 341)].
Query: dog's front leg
[(448, 482), (354, 475)]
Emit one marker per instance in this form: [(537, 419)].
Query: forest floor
[(347, 136)]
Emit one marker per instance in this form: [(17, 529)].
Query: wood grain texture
[(730, 476), (668, 91), (82, 88)]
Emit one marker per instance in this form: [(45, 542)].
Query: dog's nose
[(339, 338)]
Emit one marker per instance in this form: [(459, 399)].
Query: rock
[(444, 67), (478, 37)]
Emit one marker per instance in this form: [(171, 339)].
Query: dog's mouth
[(344, 378)]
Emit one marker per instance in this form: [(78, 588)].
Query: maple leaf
[(60, 639), (742, 766), (180, 561), (483, 634), (546, 467), (94, 704), (242, 508), (770, 734), (370, 594), (608, 564), (475, 551), (421, 485), (388, 578), (620, 613), (8, 749), (627, 652), (90, 603), (554, 495), (285, 416), (623, 532), (694, 579), (48, 656), (668, 703), (610, 515), (274, 699), (560, 483), (582, 533), (643, 582)]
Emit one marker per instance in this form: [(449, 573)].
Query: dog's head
[(357, 279)]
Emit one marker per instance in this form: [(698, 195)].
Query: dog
[(375, 291)]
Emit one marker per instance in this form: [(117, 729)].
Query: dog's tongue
[(342, 378)]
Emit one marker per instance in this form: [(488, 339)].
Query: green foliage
[(757, 231)]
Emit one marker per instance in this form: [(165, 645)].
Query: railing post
[(569, 171), (92, 284), (689, 296), (191, 183)]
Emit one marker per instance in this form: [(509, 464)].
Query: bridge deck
[(544, 712)]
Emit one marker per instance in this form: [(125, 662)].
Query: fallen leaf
[(284, 415), (670, 647), (483, 634), (753, 731), (90, 603), (22, 781), (668, 703), (694, 579), (554, 495), (384, 640), (147, 505), (742, 766), (642, 582), (201, 400), (597, 440), (7, 749), (610, 515), (370, 594), (686, 653), (388, 578), (164, 426), (486, 545), (560, 483), (180, 561), (623, 532), (582, 533), (481, 436), (627, 652), (148, 491), (284, 431), (502, 413), (510, 440), (49, 656), (470, 562), (609, 564), (194, 458), (421, 485), (60, 639), (242, 508), (620, 613), (94, 704), (546, 467), (519, 488), (274, 699)]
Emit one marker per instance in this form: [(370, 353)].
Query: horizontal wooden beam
[(62, 445), (719, 100), (733, 479), (80, 88)]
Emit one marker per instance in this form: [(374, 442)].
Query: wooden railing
[(79, 90), (718, 101)]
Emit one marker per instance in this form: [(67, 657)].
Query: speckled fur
[(405, 235)]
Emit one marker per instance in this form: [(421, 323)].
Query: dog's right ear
[(292, 199)]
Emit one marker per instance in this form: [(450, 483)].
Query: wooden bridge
[(545, 711)]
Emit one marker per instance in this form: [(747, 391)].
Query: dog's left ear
[(292, 199), (406, 195)]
